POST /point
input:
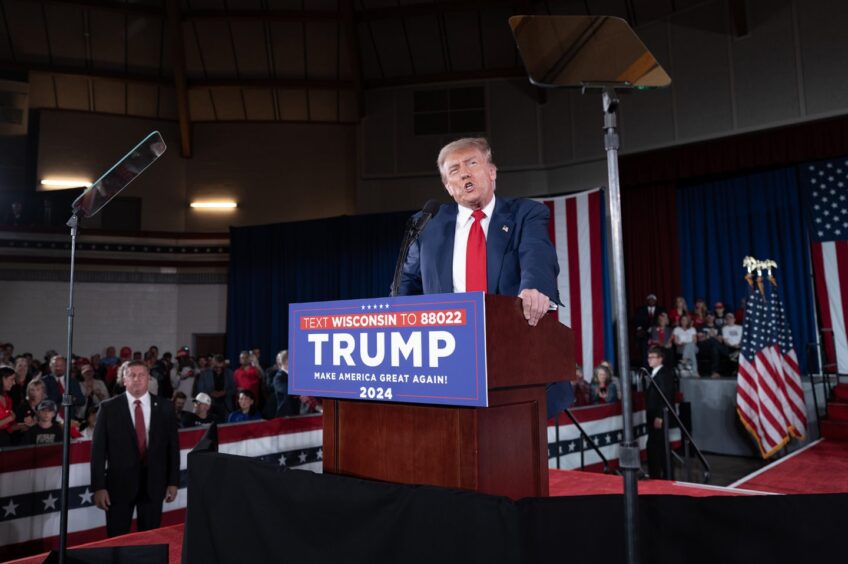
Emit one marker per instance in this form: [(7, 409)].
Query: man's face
[(469, 178), (46, 415), (244, 359), (654, 360), (217, 366), (201, 409), (136, 380), (730, 319), (651, 302), (179, 404), (58, 367)]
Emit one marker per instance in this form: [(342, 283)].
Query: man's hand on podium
[(535, 305)]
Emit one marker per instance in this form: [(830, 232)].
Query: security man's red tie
[(475, 256), (140, 431)]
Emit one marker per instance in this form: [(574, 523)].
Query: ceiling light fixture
[(215, 205)]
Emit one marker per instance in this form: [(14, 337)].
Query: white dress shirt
[(464, 221), (145, 409)]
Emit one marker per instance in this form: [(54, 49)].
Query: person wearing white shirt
[(684, 337)]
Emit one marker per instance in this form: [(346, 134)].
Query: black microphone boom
[(415, 225)]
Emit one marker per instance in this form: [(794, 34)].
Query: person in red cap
[(719, 315)]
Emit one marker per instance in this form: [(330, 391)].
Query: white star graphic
[(387, 306), (363, 307), (50, 502), (571, 447), (85, 497), (608, 439), (11, 508), (302, 457), (282, 460), (320, 454)]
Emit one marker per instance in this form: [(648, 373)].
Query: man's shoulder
[(109, 403)]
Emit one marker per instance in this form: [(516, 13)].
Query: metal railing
[(586, 439)]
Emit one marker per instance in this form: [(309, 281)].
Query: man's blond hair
[(479, 143)]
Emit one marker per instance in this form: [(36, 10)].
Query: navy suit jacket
[(519, 252)]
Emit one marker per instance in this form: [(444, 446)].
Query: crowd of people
[(203, 389), (700, 342)]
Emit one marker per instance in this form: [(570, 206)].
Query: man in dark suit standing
[(483, 243), (645, 318), (135, 455), (664, 380)]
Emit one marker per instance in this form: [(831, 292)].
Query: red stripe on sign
[(823, 301), (597, 282), (842, 262), (574, 277)]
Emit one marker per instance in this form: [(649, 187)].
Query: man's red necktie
[(475, 256), (140, 432)]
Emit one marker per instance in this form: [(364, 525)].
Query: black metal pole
[(67, 399), (669, 474), (629, 461)]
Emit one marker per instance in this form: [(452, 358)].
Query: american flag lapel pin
[(505, 228)]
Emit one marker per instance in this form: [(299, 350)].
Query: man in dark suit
[(645, 318), (483, 243), (664, 380), (59, 381), (135, 455)]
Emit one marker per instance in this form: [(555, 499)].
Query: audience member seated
[(26, 414), (731, 335), (186, 385), (7, 411), (247, 376), (661, 336), (720, 312), (160, 378), (286, 404), (87, 428), (582, 390), (179, 400), (677, 311), (247, 410), (684, 340), (217, 381), (22, 378), (46, 430), (699, 313), (94, 390), (604, 389), (55, 383), (203, 414), (711, 351)]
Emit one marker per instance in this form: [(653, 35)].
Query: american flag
[(769, 396), (576, 230), (826, 186)]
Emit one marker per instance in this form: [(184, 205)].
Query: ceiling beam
[(111, 6), (86, 72), (414, 10), (461, 76), (293, 83), (178, 61), (264, 15)]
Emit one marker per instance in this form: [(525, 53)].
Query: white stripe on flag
[(586, 306), (834, 299)]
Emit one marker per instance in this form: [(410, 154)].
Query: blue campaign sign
[(417, 349)]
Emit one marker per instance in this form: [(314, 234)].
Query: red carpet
[(822, 467), (573, 482), (172, 536)]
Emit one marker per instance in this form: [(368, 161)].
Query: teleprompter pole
[(629, 448)]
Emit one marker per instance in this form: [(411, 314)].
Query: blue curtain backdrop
[(272, 266), (721, 222)]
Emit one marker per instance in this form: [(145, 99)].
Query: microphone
[(415, 226)]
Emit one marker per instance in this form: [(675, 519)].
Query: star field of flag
[(828, 199)]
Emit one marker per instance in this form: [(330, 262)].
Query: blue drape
[(272, 266), (721, 222)]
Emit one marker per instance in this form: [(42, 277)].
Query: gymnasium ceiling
[(265, 60)]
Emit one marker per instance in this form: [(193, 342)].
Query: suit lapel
[(444, 251), (501, 228)]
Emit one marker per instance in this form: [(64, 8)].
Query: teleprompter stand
[(604, 54)]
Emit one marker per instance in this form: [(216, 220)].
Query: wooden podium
[(500, 449)]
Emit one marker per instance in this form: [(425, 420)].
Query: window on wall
[(451, 110)]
